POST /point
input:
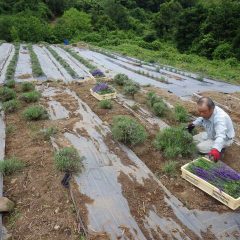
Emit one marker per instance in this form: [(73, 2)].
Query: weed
[(169, 168), (11, 106), (10, 129), (175, 142), (80, 59), (62, 62), (12, 218), (27, 86), (10, 166), (35, 113), (29, 97), (12, 66), (47, 133), (180, 114), (36, 67), (127, 130), (10, 84), (105, 104), (200, 78), (7, 94), (121, 79), (68, 160)]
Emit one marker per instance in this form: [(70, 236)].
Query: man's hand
[(214, 154), (190, 127)]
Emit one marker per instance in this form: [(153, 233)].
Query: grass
[(105, 104), (10, 166), (10, 84), (27, 86), (35, 113), (125, 129), (36, 67), (47, 133), (169, 55), (175, 142), (30, 97), (12, 65), (11, 128), (82, 60), (11, 106), (7, 94), (62, 62), (12, 218), (68, 160), (170, 168)]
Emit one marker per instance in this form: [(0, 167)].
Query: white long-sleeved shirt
[(219, 127)]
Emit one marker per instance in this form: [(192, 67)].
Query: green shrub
[(68, 160), (10, 166), (11, 106), (105, 104), (127, 130), (152, 98), (169, 168), (10, 84), (47, 133), (160, 108), (7, 94), (131, 89), (181, 114), (31, 96), (27, 86), (35, 113), (121, 79), (175, 142)]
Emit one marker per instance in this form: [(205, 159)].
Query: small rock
[(56, 227), (6, 205), (13, 180), (57, 210)]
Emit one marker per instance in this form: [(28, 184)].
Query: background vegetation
[(198, 35)]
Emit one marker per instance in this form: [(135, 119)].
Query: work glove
[(190, 127), (214, 155)]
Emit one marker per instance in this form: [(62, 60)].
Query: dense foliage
[(208, 28)]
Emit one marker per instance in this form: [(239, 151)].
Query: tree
[(188, 26), (166, 18)]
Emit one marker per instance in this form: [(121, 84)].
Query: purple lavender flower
[(97, 73), (100, 87)]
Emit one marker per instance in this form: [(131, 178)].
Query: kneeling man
[(219, 131)]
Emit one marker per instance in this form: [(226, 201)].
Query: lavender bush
[(102, 88), (218, 174), (97, 73)]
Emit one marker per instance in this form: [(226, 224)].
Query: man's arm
[(198, 121)]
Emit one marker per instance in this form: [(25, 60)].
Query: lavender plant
[(218, 174), (97, 73), (102, 88)]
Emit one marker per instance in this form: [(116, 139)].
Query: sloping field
[(122, 191)]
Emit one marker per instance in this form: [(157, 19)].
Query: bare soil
[(44, 209)]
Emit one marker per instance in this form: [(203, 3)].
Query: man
[(219, 131)]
